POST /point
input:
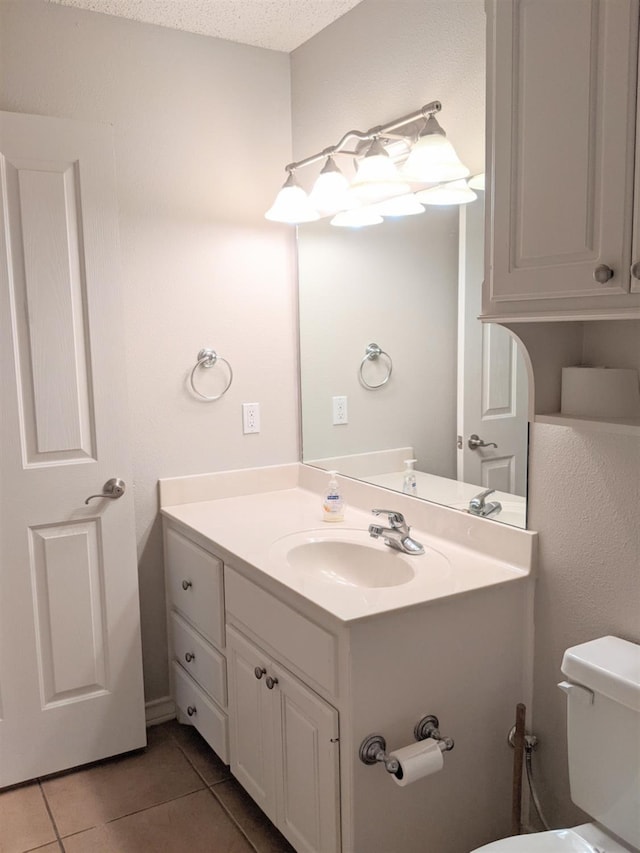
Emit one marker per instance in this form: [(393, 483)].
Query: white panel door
[(309, 792), (492, 379), (562, 89), (70, 655), (251, 727)]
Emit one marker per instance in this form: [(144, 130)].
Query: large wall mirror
[(447, 384)]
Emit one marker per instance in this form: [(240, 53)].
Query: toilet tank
[(603, 728)]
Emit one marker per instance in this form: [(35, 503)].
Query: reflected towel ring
[(208, 358), (373, 353)]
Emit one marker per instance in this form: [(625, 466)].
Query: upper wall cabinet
[(561, 87)]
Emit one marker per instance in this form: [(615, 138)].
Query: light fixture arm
[(379, 130)]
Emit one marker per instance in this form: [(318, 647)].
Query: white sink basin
[(345, 557)]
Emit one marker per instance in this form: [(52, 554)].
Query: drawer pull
[(186, 584), (259, 671), (191, 710), (271, 682), (189, 656)]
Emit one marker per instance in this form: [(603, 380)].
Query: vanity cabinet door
[(561, 101), (251, 721), (308, 772)]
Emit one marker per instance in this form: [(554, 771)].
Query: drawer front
[(211, 722), (207, 666), (202, 602), (301, 643)]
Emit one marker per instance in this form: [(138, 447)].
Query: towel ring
[(373, 353), (208, 358)]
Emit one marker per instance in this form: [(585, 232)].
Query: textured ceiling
[(274, 24)]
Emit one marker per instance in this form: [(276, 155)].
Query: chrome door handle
[(475, 441), (602, 274), (112, 489)]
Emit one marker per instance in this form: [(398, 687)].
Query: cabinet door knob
[(635, 269), (189, 656), (271, 682), (259, 671), (191, 710), (186, 584), (603, 273)]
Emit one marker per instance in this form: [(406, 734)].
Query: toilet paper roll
[(417, 761)]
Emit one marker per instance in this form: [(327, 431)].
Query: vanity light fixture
[(477, 182), (416, 138), (328, 193), (433, 158), (292, 204), (455, 192), (402, 205)]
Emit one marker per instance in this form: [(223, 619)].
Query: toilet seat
[(587, 838)]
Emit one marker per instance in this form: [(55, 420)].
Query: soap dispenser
[(409, 485), (332, 503)]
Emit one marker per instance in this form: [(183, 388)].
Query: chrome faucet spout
[(397, 535)]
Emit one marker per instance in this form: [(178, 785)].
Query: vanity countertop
[(247, 531)]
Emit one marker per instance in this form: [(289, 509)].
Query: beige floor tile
[(255, 824), (200, 754), (86, 798), (24, 820), (192, 824), (48, 848)]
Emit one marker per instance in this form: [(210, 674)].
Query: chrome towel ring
[(208, 358), (373, 353)]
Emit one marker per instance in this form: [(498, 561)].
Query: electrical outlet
[(250, 417), (340, 410)]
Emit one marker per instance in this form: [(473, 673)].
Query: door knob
[(259, 671), (271, 682), (475, 441), (603, 273), (112, 489)]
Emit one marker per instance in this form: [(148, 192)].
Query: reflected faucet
[(479, 506), (397, 534)]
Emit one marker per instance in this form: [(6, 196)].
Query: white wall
[(202, 129), (393, 284)]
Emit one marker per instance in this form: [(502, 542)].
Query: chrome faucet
[(397, 534), (479, 506)]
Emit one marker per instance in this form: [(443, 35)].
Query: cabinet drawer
[(305, 645), (201, 660), (211, 722), (202, 602)]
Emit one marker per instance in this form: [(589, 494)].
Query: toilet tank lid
[(608, 665)]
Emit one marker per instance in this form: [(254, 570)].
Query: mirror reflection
[(395, 366)]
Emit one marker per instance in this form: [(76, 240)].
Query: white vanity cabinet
[(195, 616), (284, 736), (561, 90)]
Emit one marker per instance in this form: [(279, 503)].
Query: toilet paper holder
[(373, 748)]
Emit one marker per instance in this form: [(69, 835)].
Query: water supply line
[(520, 741)]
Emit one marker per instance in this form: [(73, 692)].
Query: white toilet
[(603, 727)]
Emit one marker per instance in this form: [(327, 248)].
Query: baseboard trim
[(159, 711)]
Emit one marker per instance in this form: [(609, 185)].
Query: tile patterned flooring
[(175, 796)]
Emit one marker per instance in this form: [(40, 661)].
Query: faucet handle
[(396, 519), (479, 500)]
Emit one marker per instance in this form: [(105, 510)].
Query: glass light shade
[(433, 159), (457, 192), (329, 190), (358, 217), (292, 205), (377, 177), (477, 182), (403, 205)]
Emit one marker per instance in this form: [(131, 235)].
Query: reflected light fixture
[(456, 192), (328, 193), (415, 140), (433, 158), (477, 182), (292, 204), (357, 217), (402, 205)]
